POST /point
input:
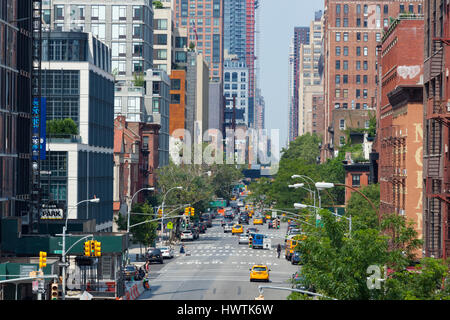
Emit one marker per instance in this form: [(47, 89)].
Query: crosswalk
[(218, 234)]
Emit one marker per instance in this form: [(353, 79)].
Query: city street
[(216, 267)]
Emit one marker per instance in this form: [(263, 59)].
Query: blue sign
[(38, 128), (43, 142)]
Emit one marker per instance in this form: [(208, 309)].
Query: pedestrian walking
[(279, 250), (182, 249)]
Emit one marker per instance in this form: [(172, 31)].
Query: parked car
[(298, 281), (206, 217), (131, 272), (187, 235), (154, 254), (243, 219), (167, 252), (295, 259)]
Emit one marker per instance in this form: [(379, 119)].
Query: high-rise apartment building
[(126, 26), (352, 32), (309, 80), (15, 107), (436, 133), (301, 36), (204, 23), (163, 33), (235, 84), (77, 83)]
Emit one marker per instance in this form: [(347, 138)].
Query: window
[(366, 37), (98, 12), (338, 9), (358, 105), (358, 51), (402, 8), (345, 94), (345, 79), (175, 98), (358, 65), (345, 51), (411, 8), (337, 105), (160, 39), (419, 9), (345, 22), (365, 65), (358, 93), (338, 51), (345, 36), (366, 51), (386, 9), (356, 180), (342, 124), (338, 79), (155, 105), (180, 57), (137, 31), (365, 79), (358, 9), (137, 13), (338, 64), (345, 65), (119, 31), (345, 105), (341, 140), (386, 22), (119, 13), (338, 22), (338, 36), (378, 37), (367, 124), (59, 12), (358, 36), (358, 79), (345, 8), (160, 24), (338, 93), (175, 84), (358, 22), (365, 92)]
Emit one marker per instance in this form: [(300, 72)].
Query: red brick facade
[(135, 159)]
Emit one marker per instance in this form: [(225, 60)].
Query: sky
[(278, 19)]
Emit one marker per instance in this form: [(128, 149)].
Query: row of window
[(98, 12), (342, 124), (234, 77), (378, 8), (345, 64), (234, 86), (354, 106), (345, 79), (357, 93), (345, 36), (345, 51)]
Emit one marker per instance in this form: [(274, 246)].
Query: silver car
[(243, 239), (167, 252), (228, 227)]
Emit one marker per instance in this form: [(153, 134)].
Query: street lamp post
[(162, 207), (304, 206), (129, 207), (94, 200)]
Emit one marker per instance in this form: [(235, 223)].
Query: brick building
[(177, 100), (400, 120), (317, 114), (436, 137), (136, 157), (352, 31)]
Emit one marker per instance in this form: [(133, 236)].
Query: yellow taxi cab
[(257, 220), (268, 216), (259, 272), (237, 228)]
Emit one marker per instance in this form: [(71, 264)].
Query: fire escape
[(392, 166), (436, 148)]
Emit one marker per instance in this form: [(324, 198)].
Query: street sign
[(57, 251), (170, 225), (51, 212), (274, 214)]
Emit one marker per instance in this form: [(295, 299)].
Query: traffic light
[(42, 259), (98, 249), (54, 293), (92, 252), (186, 211), (192, 211), (87, 248), (160, 213)]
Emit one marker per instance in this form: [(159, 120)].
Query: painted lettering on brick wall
[(408, 71)]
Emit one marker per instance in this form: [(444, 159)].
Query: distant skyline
[(278, 19)]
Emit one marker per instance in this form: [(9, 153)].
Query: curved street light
[(131, 202), (162, 207), (94, 200)]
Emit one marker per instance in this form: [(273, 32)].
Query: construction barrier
[(135, 291)]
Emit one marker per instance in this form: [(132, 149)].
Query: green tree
[(61, 127)]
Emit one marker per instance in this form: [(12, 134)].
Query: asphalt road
[(216, 267)]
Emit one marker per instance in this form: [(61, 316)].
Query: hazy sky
[(278, 19)]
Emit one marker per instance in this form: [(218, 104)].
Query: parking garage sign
[(51, 212)]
